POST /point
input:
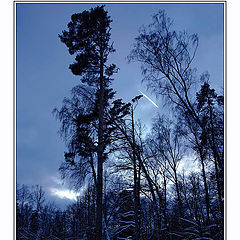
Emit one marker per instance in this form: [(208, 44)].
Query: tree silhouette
[(88, 38), (166, 58), (210, 108)]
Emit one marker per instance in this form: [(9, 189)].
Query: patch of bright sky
[(189, 164), (65, 193)]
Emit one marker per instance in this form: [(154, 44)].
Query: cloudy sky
[(43, 78)]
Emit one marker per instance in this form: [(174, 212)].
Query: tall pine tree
[(88, 38)]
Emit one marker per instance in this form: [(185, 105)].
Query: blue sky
[(43, 78)]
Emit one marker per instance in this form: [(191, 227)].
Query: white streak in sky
[(149, 99)]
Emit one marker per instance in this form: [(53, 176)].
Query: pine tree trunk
[(136, 187), (205, 187), (216, 163), (100, 157)]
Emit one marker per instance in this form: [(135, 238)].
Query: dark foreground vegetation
[(164, 183)]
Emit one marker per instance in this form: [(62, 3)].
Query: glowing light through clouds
[(65, 194), (149, 99)]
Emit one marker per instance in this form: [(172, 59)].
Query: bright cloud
[(65, 193)]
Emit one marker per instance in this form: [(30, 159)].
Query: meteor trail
[(149, 99)]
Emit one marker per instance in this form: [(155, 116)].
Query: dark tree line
[(138, 185)]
